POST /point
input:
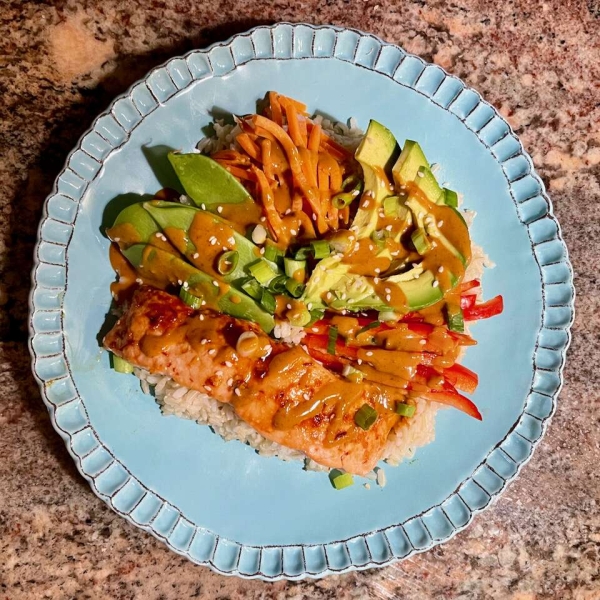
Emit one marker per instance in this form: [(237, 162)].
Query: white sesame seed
[(435, 283), (441, 270), (219, 209), (230, 382), (388, 298), (306, 396), (203, 303), (366, 204), (376, 280), (208, 388), (228, 364), (231, 241), (116, 239), (440, 223), (314, 217), (203, 206), (212, 352), (201, 317), (309, 306), (371, 247), (377, 270), (263, 219), (180, 282), (195, 255), (215, 283), (237, 392), (359, 361), (369, 353), (219, 373), (289, 306), (293, 232), (388, 228), (262, 251), (422, 342), (315, 330), (204, 341), (420, 174), (186, 285)]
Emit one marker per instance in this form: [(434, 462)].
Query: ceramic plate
[(219, 503)]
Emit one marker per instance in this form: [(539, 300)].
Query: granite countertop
[(62, 61)]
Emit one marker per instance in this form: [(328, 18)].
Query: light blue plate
[(219, 503)]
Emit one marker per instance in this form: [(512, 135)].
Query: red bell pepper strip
[(485, 310), (465, 286), (467, 301), (462, 378), (462, 339)]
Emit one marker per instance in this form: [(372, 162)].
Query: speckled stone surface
[(62, 62)]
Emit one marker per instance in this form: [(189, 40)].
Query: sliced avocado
[(419, 292), (408, 163), (206, 182), (427, 183), (376, 154), (177, 216), (142, 226), (168, 268)]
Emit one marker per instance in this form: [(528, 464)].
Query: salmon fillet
[(283, 393)]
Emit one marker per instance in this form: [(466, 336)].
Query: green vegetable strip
[(295, 288), (272, 253), (292, 266), (228, 262), (450, 198), (190, 299), (391, 205), (369, 326), (340, 480), (300, 318), (333, 335), (405, 410), (343, 199), (303, 253), (320, 249), (267, 301), (262, 272), (120, 365), (365, 416)]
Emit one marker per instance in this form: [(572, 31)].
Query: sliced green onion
[(456, 321), (272, 253), (369, 326), (352, 182), (262, 271), (450, 198), (228, 261), (190, 299), (352, 374), (343, 199), (267, 301), (419, 239), (405, 410), (365, 416), (315, 315), (120, 365), (295, 288), (303, 253), (379, 237), (333, 335), (403, 212), (292, 267), (277, 284), (299, 318), (391, 204), (320, 249), (340, 480), (252, 288)]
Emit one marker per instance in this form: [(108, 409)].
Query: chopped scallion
[(303, 253), (456, 321), (295, 288), (365, 416), (298, 318), (272, 253), (391, 204), (420, 241), (405, 410), (120, 365), (252, 288), (295, 268), (262, 271), (277, 284), (320, 249), (315, 315), (450, 198), (267, 301), (333, 335), (340, 480), (190, 299), (352, 374), (228, 261), (343, 199)]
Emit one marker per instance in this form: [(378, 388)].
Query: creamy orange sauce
[(211, 238)]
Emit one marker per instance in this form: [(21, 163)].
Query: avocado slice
[(170, 269), (420, 292), (410, 160), (427, 183), (180, 217), (376, 154), (206, 182)]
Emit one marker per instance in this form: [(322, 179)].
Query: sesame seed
[(359, 361), (237, 392), (314, 217), (420, 174), (388, 228), (366, 204), (180, 282), (203, 303), (381, 214), (204, 341), (309, 306), (228, 364), (388, 298), (195, 255), (215, 283), (186, 285), (138, 280), (441, 270), (388, 291), (212, 352), (440, 223), (376, 280), (306, 396), (263, 219), (369, 353), (208, 388), (422, 342), (315, 330), (262, 251), (203, 206), (201, 317), (158, 234), (230, 382), (219, 209), (116, 239), (435, 283), (225, 248), (371, 247), (231, 240), (289, 306), (219, 373), (377, 270), (293, 232)]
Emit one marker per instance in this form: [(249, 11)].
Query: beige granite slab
[(62, 62)]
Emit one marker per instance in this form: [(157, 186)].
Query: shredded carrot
[(307, 166), (237, 171), (265, 147), (297, 202), (293, 125), (244, 140), (268, 202), (232, 156), (276, 113), (309, 230), (299, 106), (344, 215), (314, 140)]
